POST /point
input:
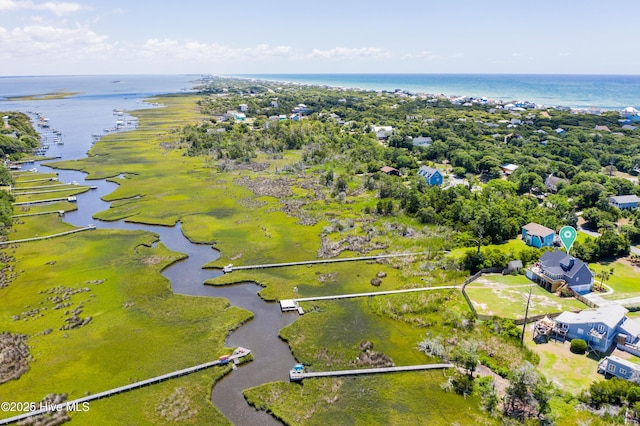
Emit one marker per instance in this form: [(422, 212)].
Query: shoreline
[(341, 83)]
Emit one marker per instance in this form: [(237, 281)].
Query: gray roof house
[(618, 367), (598, 327), (625, 202), (555, 268), (552, 182)]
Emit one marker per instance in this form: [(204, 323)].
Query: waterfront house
[(598, 327), (625, 202), (536, 235), (618, 367), (556, 269), (552, 182), (432, 175)]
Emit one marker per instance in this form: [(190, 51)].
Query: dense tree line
[(6, 200), (475, 140), (19, 137)]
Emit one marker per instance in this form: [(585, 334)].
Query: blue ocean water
[(609, 92)]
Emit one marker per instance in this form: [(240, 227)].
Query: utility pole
[(526, 316)]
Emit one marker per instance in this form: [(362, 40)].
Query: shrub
[(578, 346)]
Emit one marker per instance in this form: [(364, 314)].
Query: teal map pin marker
[(568, 235)]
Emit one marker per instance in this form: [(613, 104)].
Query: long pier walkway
[(292, 304), (238, 353), (46, 237), (58, 212), (50, 200), (73, 188), (297, 376), (231, 268)]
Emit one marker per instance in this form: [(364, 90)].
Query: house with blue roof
[(432, 175), (598, 327), (557, 269)]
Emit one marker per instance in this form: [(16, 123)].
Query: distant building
[(243, 107), (301, 109), (432, 175), (536, 235), (560, 131), (552, 182), (382, 132), (390, 171), (602, 128), (508, 169), (422, 141), (556, 269), (239, 116), (625, 202)]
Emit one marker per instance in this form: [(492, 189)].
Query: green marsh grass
[(138, 329)]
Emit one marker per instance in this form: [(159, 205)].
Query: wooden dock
[(295, 376), (292, 304), (50, 200), (45, 191), (238, 353), (58, 212), (231, 268), (46, 237)]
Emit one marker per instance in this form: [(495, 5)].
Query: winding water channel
[(78, 119)]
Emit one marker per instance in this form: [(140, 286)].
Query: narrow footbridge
[(230, 268), (292, 304), (46, 237), (296, 376), (238, 353)]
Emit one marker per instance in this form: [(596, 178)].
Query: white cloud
[(197, 51), (425, 54), (345, 53), (42, 47), (57, 8), (47, 44)]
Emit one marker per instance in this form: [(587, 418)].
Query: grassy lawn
[(136, 328), (506, 296), (566, 370), (513, 246), (624, 280)]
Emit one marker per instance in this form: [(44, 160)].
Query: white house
[(382, 132)]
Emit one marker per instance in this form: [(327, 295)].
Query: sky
[(346, 36)]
